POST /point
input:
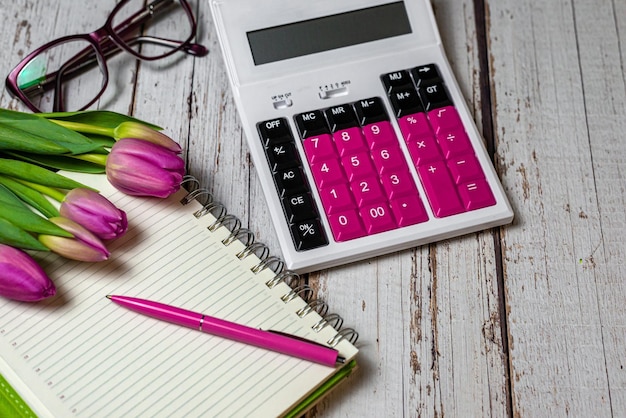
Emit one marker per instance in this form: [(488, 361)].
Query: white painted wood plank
[(559, 106)]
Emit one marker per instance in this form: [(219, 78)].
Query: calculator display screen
[(329, 32)]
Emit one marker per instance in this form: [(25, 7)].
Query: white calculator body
[(361, 138)]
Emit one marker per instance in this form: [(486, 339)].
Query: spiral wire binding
[(267, 261)]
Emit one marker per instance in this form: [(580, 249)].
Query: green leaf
[(35, 174), (12, 138), (17, 237), (60, 162), (24, 127), (26, 219), (101, 118), (34, 198)]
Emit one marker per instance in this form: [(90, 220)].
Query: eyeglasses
[(70, 73)]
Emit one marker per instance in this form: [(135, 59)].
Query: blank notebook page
[(83, 355)]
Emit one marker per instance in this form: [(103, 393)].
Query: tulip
[(95, 212), (21, 278), (140, 131), (85, 246), (141, 168)]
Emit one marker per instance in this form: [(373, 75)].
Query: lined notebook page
[(82, 355)]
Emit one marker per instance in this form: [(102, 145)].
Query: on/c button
[(282, 104)]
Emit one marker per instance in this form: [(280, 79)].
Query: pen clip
[(340, 359)]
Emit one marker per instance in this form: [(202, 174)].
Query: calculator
[(362, 141)]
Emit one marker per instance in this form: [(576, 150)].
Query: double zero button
[(291, 185)]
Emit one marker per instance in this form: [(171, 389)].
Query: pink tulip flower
[(140, 131), (141, 168), (85, 246), (21, 278), (95, 212)]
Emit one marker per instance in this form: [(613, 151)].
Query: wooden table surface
[(524, 320)]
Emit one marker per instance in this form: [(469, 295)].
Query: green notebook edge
[(326, 387), (11, 404)]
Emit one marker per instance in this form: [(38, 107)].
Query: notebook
[(79, 354)]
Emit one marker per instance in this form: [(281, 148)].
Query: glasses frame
[(104, 42)]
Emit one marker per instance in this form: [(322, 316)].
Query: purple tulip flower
[(95, 212), (85, 246), (141, 168), (21, 278), (141, 131)]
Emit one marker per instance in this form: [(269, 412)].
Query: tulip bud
[(85, 246), (21, 278), (95, 212), (140, 131), (141, 168)]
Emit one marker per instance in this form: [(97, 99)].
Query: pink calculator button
[(357, 166), (319, 148), (346, 225), (444, 118), (465, 168), (454, 142), (379, 134), (476, 194), (388, 158), (440, 189), (398, 183), (414, 126), (337, 198), (424, 150), (377, 218), (408, 210), (327, 173), (349, 141), (367, 190)]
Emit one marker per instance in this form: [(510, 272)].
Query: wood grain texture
[(558, 76), (527, 320)]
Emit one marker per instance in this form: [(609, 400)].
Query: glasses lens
[(152, 29), (64, 77)]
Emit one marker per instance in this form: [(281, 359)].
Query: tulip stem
[(84, 128), (56, 194), (100, 159)]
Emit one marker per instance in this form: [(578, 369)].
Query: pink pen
[(270, 340)]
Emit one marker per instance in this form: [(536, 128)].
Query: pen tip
[(108, 296), (341, 360)]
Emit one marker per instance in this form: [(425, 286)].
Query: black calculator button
[(273, 130), (290, 181), (426, 74), (434, 96), (405, 102), (397, 79), (308, 234), (311, 124), (299, 207), (370, 111), (341, 117), (282, 155)]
